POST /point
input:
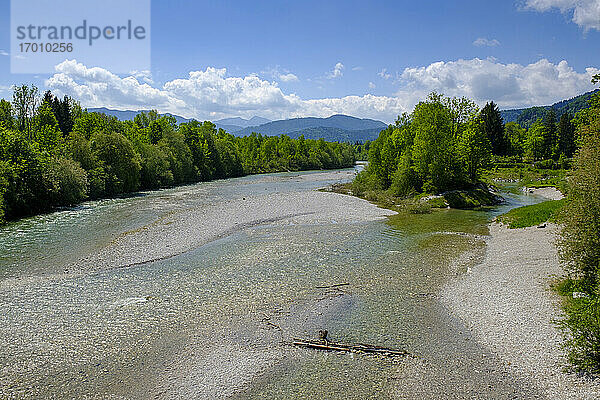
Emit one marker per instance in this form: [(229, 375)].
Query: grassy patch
[(528, 176), (535, 214)]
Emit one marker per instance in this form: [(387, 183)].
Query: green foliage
[(65, 181), (516, 137), (535, 142), (581, 329), (5, 178), (494, 128), (579, 246), (532, 215), (580, 234), (6, 116), (122, 163), (155, 170), (441, 146), (472, 198)]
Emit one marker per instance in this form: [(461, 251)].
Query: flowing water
[(216, 321)]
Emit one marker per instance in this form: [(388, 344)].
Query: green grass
[(535, 214), (527, 176)]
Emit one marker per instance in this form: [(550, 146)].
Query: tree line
[(445, 143), (54, 153)]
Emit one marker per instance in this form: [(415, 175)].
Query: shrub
[(66, 182)]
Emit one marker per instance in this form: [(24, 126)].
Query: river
[(197, 291)]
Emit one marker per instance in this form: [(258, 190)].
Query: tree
[(474, 149), (121, 162), (494, 128), (534, 144), (66, 182), (566, 136), (6, 117), (25, 102), (433, 152), (549, 123), (65, 111), (516, 137)]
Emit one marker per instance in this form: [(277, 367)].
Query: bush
[(121, 162), (581, 327), (66, 182)]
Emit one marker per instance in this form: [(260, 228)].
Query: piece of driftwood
[(332, 286), (354, 348)]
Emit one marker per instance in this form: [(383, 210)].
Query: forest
[(53, 153)]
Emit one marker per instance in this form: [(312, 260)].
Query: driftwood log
[(353, 348)]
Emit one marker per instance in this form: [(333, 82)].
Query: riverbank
[(507, 304)]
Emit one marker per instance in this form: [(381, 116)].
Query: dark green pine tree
[(549, 135), (566, 136), (494, 128)]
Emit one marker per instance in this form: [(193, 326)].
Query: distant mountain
[(337, 134), (241, 122), (527, 116), (341, 128), (334, 128), (129, 115)]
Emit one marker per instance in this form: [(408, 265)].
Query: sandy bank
[(550, 193), (507, 305)]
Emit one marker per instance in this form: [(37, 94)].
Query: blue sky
[(376, 59)]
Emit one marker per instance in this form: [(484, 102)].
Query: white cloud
[(586, 13), (480, 42), (289, 77), (280, 75), (372, 85), (212, 94), (337, 71), (384, 74), (3, 53), (209, 94), (144, 75), (357, 68), (509, 85)]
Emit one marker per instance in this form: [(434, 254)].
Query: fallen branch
[(332, 286), (354, 348)]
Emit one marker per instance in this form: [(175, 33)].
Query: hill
[(527, 116), (334, 128), (232, 125), (337, 128)]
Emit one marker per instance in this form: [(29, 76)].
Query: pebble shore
[(507, 304)]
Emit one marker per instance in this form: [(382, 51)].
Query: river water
[(216, 320)]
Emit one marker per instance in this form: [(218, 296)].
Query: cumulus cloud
[(144, 75), (372, 85), (480, 42), (289, 77), (208, 94), (337, 71), (213, 94), (586, 13), (509, 85)]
